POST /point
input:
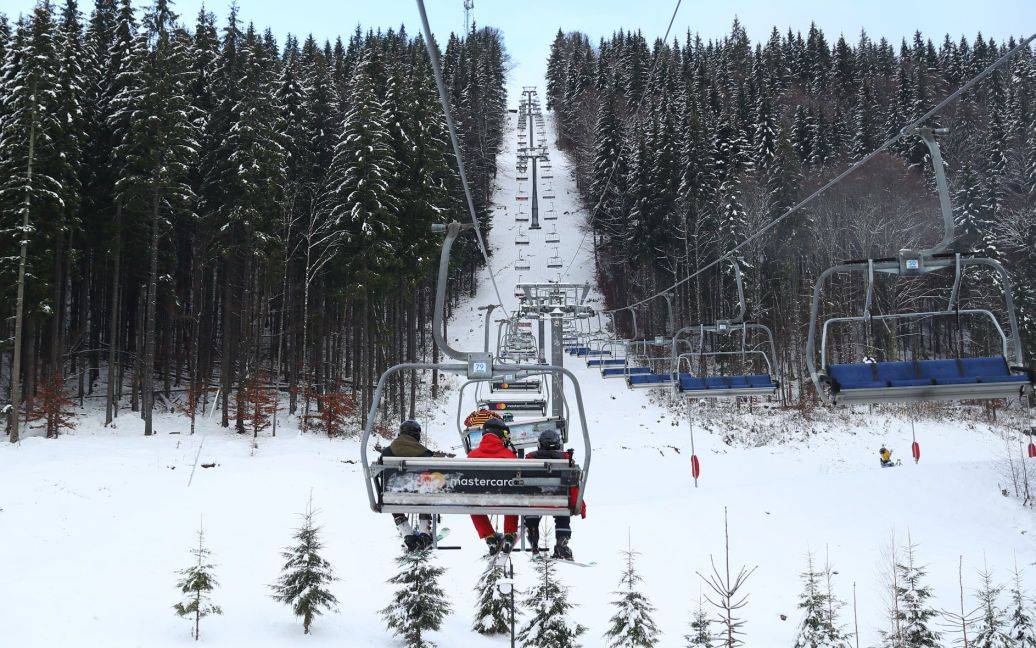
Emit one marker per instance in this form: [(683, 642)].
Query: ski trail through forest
[(95, 525)]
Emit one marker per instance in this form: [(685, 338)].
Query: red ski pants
[(484, 527)]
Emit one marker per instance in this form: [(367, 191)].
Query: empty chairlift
[(521, 264), (555, 261), (884, 373), (521, 238), (553, 238), (726, 358)]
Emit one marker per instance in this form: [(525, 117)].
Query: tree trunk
[(19, 309), (151, 329)]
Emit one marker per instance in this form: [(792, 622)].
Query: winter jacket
[(573, 492), (406, 446), (491, 447)]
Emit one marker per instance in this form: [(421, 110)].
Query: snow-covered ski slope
[(94, 525)]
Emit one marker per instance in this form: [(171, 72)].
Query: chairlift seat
[(516, 406), (606, 362), (516, 386), (475, 486), (579, 350), (619, 372), (910, 380), (727, 386), (524, 434), (648, 380)]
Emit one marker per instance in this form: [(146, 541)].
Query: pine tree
[(992, 626), (306, 575), (914, 614), (419, 605), (493, 608), (548, 603), (701, 634), (157, 151), (632, 625), (1022, 631), (813, 631), (196, 584)]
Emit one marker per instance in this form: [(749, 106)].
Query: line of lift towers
[(518, 378)]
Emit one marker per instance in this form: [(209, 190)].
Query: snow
[(96, 524)]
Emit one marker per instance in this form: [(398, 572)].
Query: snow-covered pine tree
[(196, 584), (157, 150), (836, 635), (991, 630), (419, 605), (700, 635), (306, 575), (813, 631), (632, 625), (916, 613), (548, 603), (493, 608), (1022, 632)]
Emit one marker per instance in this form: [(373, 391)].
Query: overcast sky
[(529, 25)]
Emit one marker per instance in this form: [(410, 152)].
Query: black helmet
[(495, 426), (550, 440), (413, 428)]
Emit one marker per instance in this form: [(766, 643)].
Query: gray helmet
[(550, 440), (413, 428)]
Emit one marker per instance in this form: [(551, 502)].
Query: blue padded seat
[(901, 373), (606, 362), (597, 354), (622, 371), (855, 376), (650, 379), (759, 380), (989, 370), (577, 350), (738, 382), (691, 383), (716, 382)]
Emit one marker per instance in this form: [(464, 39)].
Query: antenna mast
[(469, 6)]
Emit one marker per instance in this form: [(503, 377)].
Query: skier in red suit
[(492, 446)]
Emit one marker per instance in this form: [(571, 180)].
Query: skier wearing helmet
[(550, 448), (408, 444), (495, 444)]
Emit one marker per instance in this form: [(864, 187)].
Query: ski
[(439, 537), (560, 561)]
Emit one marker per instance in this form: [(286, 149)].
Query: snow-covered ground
[(94, 525)]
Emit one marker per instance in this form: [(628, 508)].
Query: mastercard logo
[(431, 481)]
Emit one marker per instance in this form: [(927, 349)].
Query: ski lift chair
[(914, 378), (555, 261), (699, 384), (553, 238), (521, 264), (414, 485), (522, 238)]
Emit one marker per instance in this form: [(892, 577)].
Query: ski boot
[(561, 550), (534, 539), (493, 542), (424, 541), (412, 542), (508, 543)]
